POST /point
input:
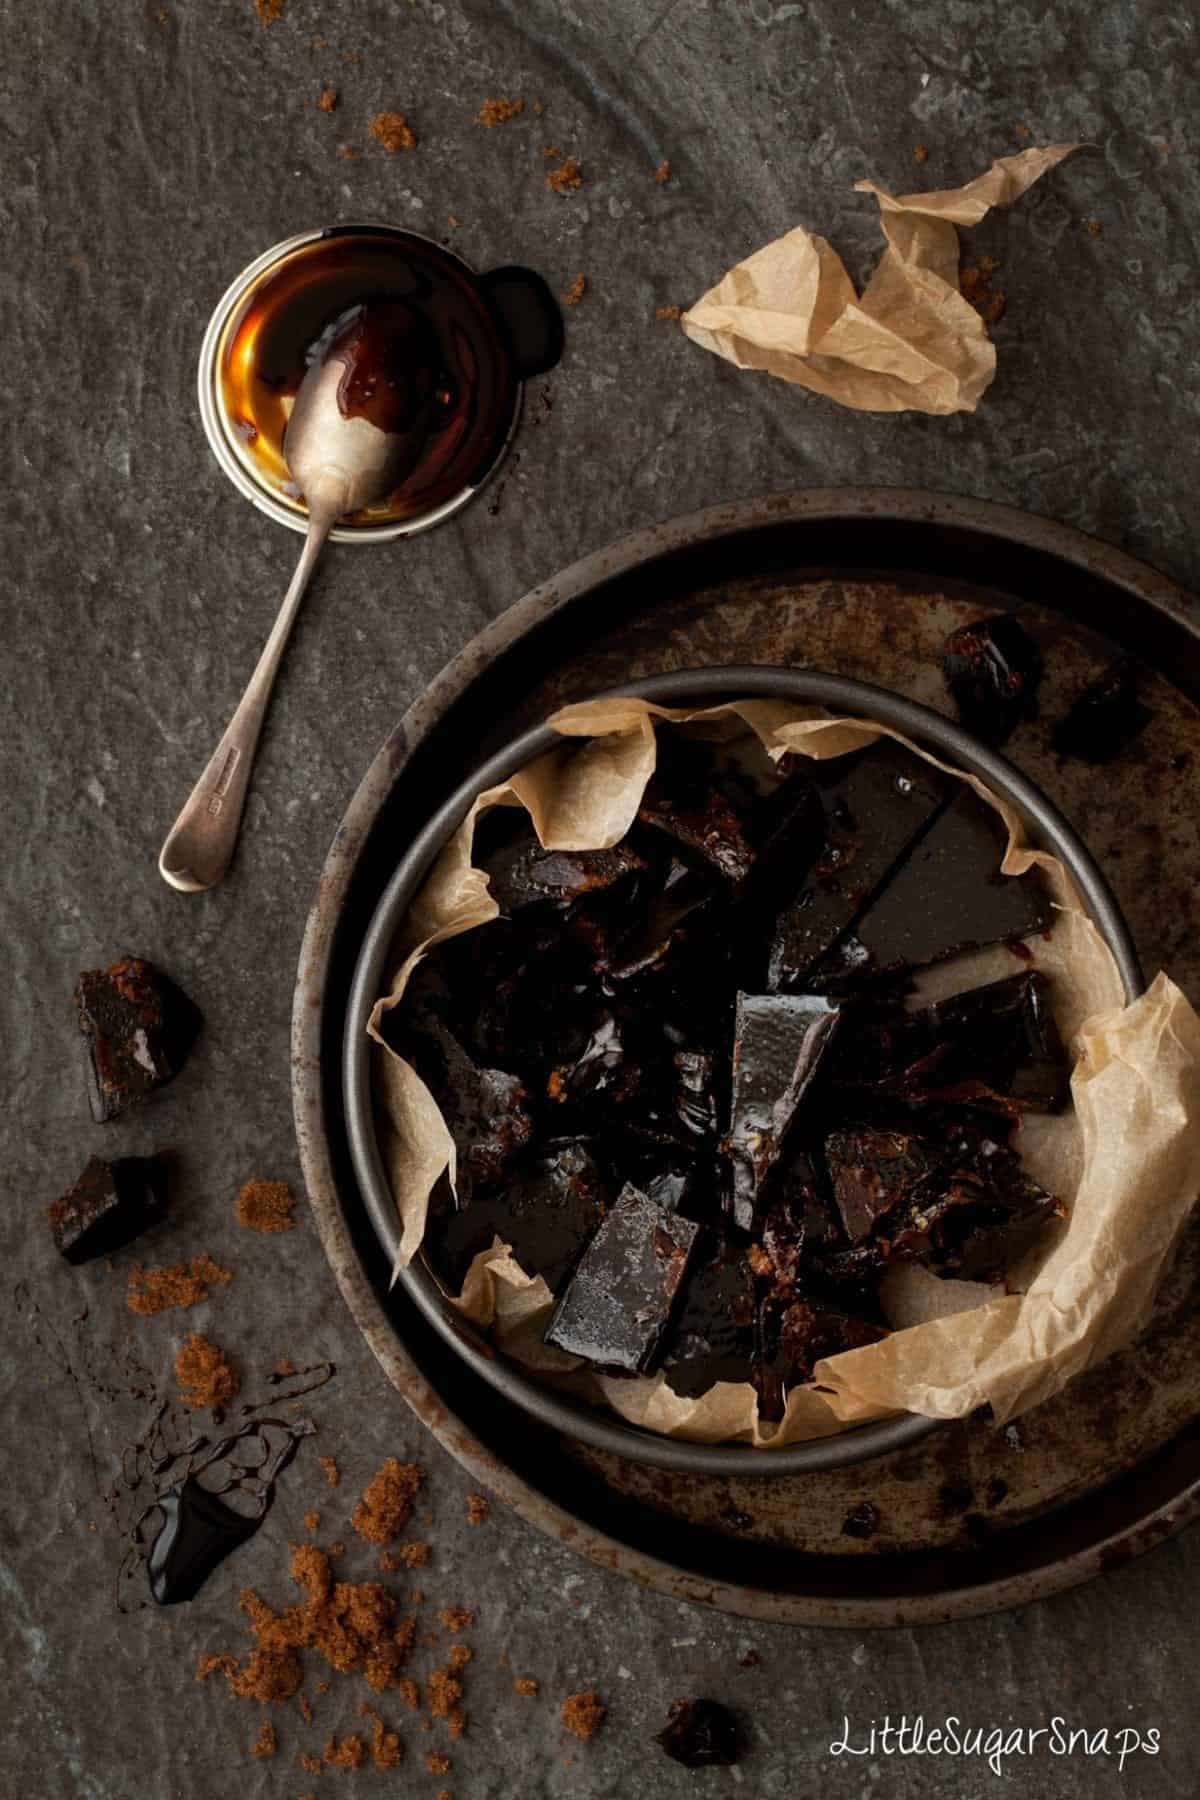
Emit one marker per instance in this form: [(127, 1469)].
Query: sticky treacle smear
[(421, 349)]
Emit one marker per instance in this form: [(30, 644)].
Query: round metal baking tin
[(693, 687), (228, 448)]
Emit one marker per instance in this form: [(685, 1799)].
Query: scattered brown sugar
[(309, 1763), (205, 1374), (583, 1714), (306, 1711), (668, 312), (920, 155), (387, 1502), (413, 1556), (269, 11), (312, 1520), (460, 1655), (393, 131), (332, 1473), (267, 1741), (350, 1753), (183, 1284), (409, 1692), (268, 1675), (453, 221), (388, 1564), (417, 1597), (527, 1686), (327, 99), (443, 1691), (662, 173), (348, 153), (567, 176), (456, 1618), (1094, 227), (437, 1762), (576, 291), (975, 284), (386, 1748), (478, 1509), (266, 1205), (499, 112), (457, 1722)]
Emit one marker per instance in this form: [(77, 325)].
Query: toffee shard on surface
[(551, 1201), (109, 1205), (993, 669), (701, 1734), (138, 1027), (701, 809), (615, 1309), (713, 1336), (1104, 719), (779, 1040), (873, 1171), (484, 1109), (521, 873), (948, 896), (997, 1045), (794, 1335), (876, 803)]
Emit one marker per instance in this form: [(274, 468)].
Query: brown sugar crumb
[(662, 173), (386, 1748), (267, 1741), (527, 1686), (417, 1597), (576, 291), (668, 312), (309, 1763), (920, 155), (387, 1502), (437, 1762), (267, 1675), (332, 1473), (284, 1367), (456, 1618), (336, 1550), (445, 1794), (1093, 227), (205, 1374), (583, 1714), (348, 153), (312, 1520), (409, 1692), (305, 1706), (327, 99), (269, 11), (499, 112), (393, 131), (975, 285), (414, 1556), (457, 1722), (183, 1284), (567, 176), (350, 1753), (210, 1665), (478, 1509), (266, 1205), (460, 1655), (453, 221), (388, 1564), (443, 1691), (539, 107), (322, 1687)]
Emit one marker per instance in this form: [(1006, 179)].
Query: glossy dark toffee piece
[(417, 334)]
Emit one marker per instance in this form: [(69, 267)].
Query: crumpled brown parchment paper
[(1125, 1158), (911, 343)]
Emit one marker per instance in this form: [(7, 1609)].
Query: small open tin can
[(508, 328)]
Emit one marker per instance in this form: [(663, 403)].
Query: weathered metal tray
[(867, 583)]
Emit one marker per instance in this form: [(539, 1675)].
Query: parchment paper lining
[(1125, 1158)]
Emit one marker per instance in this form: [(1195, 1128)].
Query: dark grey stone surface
[(149, 153)]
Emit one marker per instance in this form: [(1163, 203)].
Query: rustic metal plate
[(864, 583)]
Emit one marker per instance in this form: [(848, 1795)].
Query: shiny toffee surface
[(295, 311)]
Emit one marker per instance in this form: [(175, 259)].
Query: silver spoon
[(358, 426)]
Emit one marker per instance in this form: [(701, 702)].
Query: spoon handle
[(200, 844)]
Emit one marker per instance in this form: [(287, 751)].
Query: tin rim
[(216, 426), (599, 1429)]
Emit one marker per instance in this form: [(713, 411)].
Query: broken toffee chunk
[(108, 1206), (522, 873), (701, 1734), (139, 1028), (548, 1207), (483, 1108), (875, 804), (996, 1045), (793, 1338), (197, 1533), (992, 669), (615, 1309), (713, 1337), (1104, 719), (699, 806), (947, 897), (873, 1171), (682, 893), (779, 1040)]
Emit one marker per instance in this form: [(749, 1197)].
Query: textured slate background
[(148, 154)]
